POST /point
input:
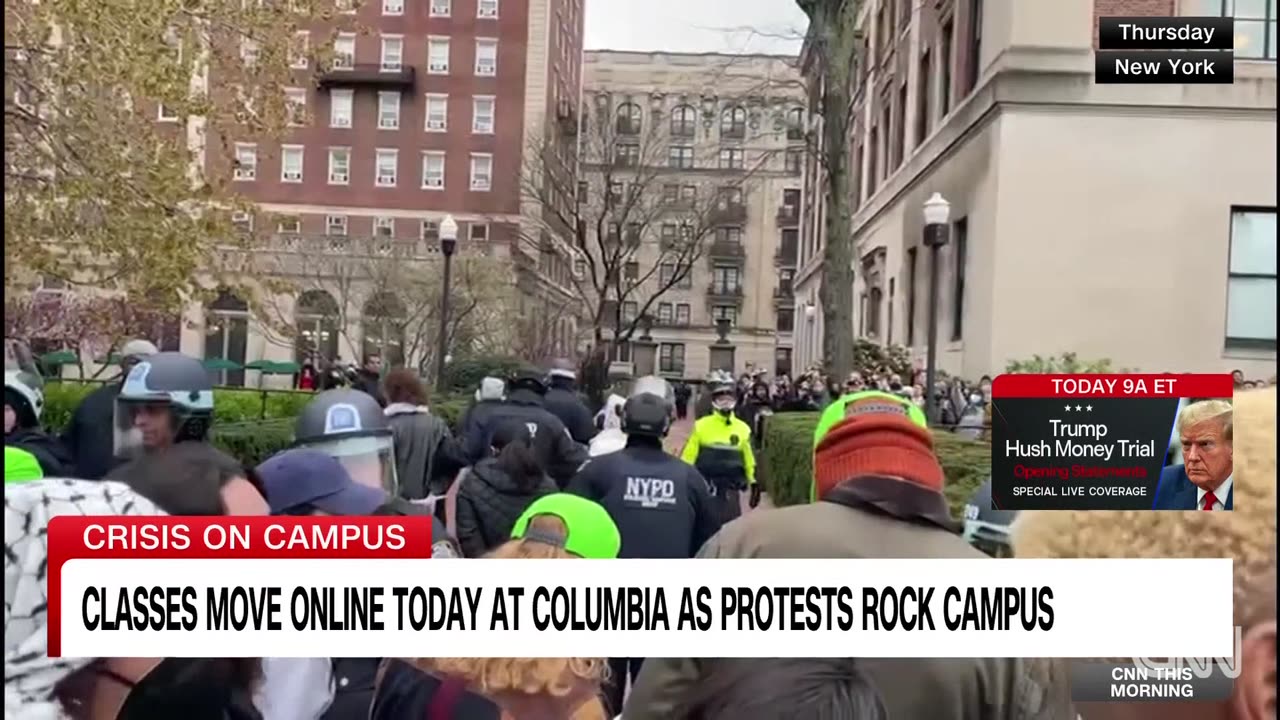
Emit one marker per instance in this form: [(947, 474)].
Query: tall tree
[(637, 220), (833, 45), (112, 109)]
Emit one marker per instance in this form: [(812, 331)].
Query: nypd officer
[(349, 425), (720, 448), (986, 527), (660, 504)]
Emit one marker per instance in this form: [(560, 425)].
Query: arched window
[(226, 336), (384, 328), (733, 122), (316, 316), (795, 124), (628, 119), (684, 121)]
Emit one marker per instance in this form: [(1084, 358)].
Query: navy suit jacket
[(1176, 492)]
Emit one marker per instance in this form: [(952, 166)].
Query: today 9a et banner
[(1087, 442)]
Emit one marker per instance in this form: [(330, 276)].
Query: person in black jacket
[(498, 490), (369, 378), (557, 453), (564, 402), (88, 437), (661, 504), (490, 396)]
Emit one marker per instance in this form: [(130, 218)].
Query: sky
[(730, 26)]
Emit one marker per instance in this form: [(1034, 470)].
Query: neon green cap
[(591, 532), (837, 411), (20, 466)]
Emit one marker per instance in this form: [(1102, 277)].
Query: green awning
[(273, 367), (59, 357), (220, 364)]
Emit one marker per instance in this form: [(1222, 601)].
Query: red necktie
[(1209, 500)]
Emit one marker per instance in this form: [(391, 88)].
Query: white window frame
[(443, 99), (436, 41), (163, 115), (427, 156), (338, 55), (302, 39), (289, 226), (487, 42), (384, 95), (246, 171), (380, 179), (345, 177), (476, 129), (471, 232), (383, 222), (349, 103), (329, 225), (488, 183), (250, 51), (440, 8), (480, 9), (1242, 274), (392, 7), (387, 42), (285, 150), (296, 106)]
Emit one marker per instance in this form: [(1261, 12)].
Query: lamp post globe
[(937, 211), (937, 215), (448, 244), (448, 235)]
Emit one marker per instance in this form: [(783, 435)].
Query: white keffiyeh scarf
[(30, 676)]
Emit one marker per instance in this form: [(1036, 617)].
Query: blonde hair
[(1247, 534), (556, 677), (1201, 412)]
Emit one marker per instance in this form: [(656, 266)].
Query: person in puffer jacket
[(499, 489)]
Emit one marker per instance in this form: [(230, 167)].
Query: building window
[(680, 156), (481, 172), (1255, 26), (438, 55), (291, 164), (666, 313), (684, 121), (289, 226), (630, 309), (386, 164), (440, 8), (945, 60), (388, 111), (899, 138), (429, 230), (631, 270), (793, 161), (923, 121), (246, 162), (478, 232), (340, 108), (961, 253), (299, 50), (584, 190), (911, 296), (626, 155), (437, 112), (795, 124), (486, 57), (249, 51), (241, 221), (628, 119), (1251, 279), (227, 336), (344, 51), (666, 271), (671, 358), (726, 280), (392, 7), (487, 9), (682, 313), (339, 166), (622, 350), (725, 312), (786, 320), (165, 114), (384, 329), (384, 227), (873, 311), (316, 316), (731, 158), (335, 225), (973, 65), (482, 114), (432, 170), (733, 123), (729, 236), (392, 53), (295, 103)]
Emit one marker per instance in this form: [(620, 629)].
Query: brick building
[(1081, 214)]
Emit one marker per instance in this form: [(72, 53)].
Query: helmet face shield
[(369, 459), (142, 425)]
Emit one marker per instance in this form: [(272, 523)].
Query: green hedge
[(788, 461), (239, 425)]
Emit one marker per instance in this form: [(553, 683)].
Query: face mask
[(188, 688), (723, 404)]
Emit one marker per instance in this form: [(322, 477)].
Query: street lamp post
[(448, 244), (937, 213)]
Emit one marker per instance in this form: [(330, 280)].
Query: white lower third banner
[(288, 607)]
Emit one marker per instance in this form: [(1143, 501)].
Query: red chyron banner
[(79, 537), (1112, 386)]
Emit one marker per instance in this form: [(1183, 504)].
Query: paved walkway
[(676, 439)]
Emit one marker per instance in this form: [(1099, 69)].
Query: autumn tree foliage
[(112, 110)]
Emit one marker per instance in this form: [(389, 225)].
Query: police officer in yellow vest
[(720, 448)]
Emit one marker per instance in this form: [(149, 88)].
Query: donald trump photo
[(1203, 480)]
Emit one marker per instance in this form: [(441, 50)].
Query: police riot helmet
[(528, 379), (350, 425), (24, 393), (723, 390), (165, 398), (650, 408), (985, 527), (562, 368)]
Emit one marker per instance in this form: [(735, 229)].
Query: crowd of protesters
[(531, 473)]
